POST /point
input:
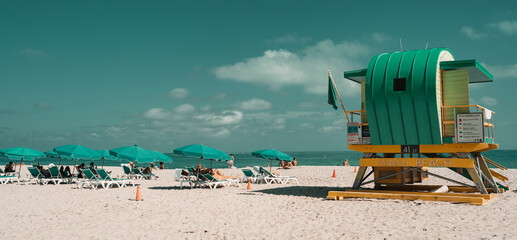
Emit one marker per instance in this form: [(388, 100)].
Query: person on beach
[(9, 168), (149, 169), (214, 172), (43, 171), (230, 163), (295, 163), (93, 167), (79, 172), (345, 163), (285, 165)]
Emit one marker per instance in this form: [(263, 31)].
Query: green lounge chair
[(54, 173), (2, 173), (8, 178), (94, 181), (270, 177), (250, 175), (105, 176), (128, 172), (40, 179), (210, 181), (143, 175)]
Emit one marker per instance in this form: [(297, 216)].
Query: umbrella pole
[(103, 162), (197, 171), (59, 161), (20, 169), (270, 166), (73, 170)]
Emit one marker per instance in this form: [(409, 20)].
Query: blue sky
[(236, 75)]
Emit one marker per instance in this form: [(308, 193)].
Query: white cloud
[(280, 68), (219, 96), (254, 104), (205, 108), (226, 118), (508, 71), (278, 124), (184, 108), (471, 32), (222, 133), (290, 38), (33, 53), (43, 106), (506, 27), (380, 37), (157, 113), (489, 101), (178, 93)]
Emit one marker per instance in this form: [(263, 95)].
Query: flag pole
[(344, 111)]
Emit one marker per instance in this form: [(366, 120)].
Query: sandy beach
[(289, 211)]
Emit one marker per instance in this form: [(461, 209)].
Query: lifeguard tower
[(415, 115)]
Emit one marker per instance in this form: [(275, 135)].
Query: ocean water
[(507, 158)]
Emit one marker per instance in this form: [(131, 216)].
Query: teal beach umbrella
[(134, 153), (21, 153), (105, 155), (53, 154), (202, 151), (271, 154), (77, 152), (161, 157)]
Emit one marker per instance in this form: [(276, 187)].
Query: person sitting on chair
[(44, 172), (9, 168), (217, 174), (93, 167), (149, 169)]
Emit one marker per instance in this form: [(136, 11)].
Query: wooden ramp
[(471, 198)]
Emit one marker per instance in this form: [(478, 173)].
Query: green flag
[(332, 94)]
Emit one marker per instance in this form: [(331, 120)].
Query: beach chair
[(178, 176), (2, 173), (8, 178), (249, 174), (210, 181), (105, 176), (270, 177), (39, 178), (143, 175), (128, 172), (95, 180), (54, 173)]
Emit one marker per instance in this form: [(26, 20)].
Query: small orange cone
[(355, 168), (334, 173), (249, 185), (138, 196)]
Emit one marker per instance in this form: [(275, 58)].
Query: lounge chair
[(2, 173), (210, 181), (143, 175), (249, 174), (40, 178), (8, 178), (54, 173), (105, 176), (270, 177), (93, 181), (178, 176), (128, 172)]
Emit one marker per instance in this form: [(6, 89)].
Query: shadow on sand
[(168, 188), (305, 191)]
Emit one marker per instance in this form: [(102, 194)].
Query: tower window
[(399, 84)]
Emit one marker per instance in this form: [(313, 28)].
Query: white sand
[(265, 212)]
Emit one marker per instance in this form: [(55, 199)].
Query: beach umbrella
[(77, 152), (161, 157), (21, 153), (134, 153), (202, 151), (105, 155), (272, 154)]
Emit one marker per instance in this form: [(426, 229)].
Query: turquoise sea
[(507, 158)]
